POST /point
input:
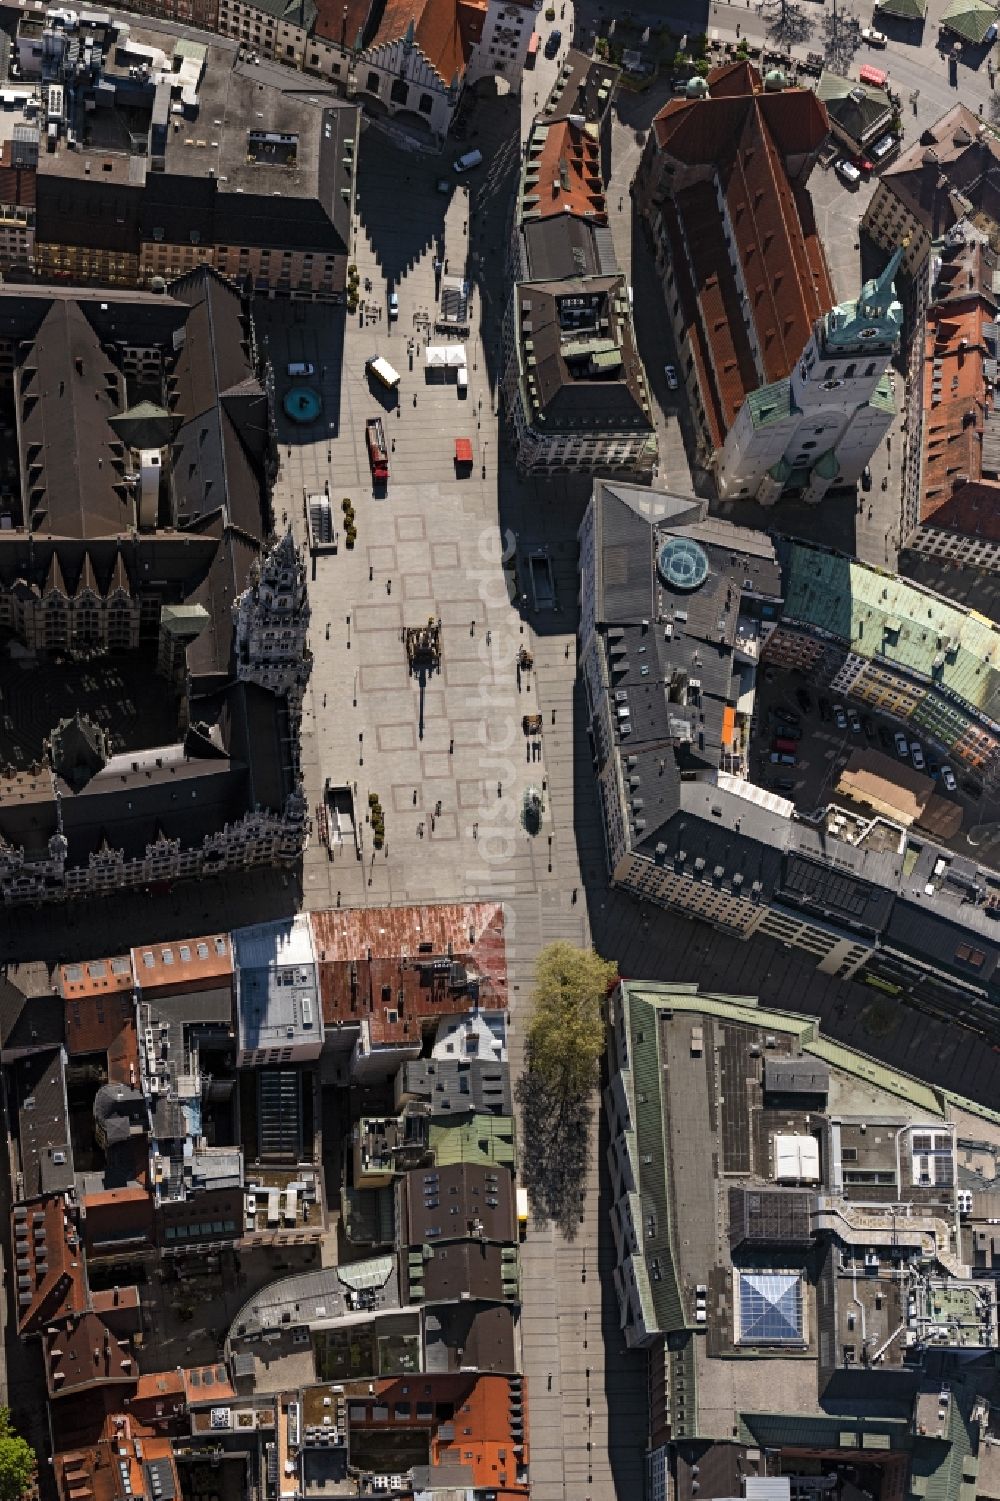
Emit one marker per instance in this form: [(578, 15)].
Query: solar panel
[(770, 1308)]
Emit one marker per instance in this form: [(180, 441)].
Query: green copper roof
[(771, 403), (935, 642), (873, 320), (827, 465), (882, 398), (484, 1139), (904, 10), (969, 19)]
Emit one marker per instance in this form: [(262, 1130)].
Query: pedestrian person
[(489, 637), (451, 747), (472, 628), (475, 831), (414, 797), (388, 586), (499, 789), (371, 572)]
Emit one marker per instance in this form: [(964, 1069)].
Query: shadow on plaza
[(126, 919)]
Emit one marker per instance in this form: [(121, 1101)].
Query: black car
[(866, 477), (971, 787), (552, 45), (785, 716), (868, 727), (784, 785), (803, 700), (824, 709), (885, 739)]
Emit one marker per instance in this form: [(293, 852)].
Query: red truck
[(377, 454)]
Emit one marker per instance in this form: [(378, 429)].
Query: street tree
[(565, 1040), (786, 24), (17, 1461), (566, 1030), (842, 38)]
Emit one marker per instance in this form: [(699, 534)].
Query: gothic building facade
[(139, 575)]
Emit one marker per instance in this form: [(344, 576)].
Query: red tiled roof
[(569, 174), (191, 964), (490, 1449), (440, 31), (370, 960), (95, 976), (114, 1216), (332, 23), (48, 1264), (123, 1056), (748, 138), (93, 1022), (954, 494), (84, 1354), (207, 1385), (112, 1468)]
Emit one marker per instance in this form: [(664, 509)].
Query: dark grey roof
[(575, 390), (67, 391), (831, 883), (43, 1125), (585, 86), (944, 939), (562, 245), (160, 1479), (769, 1217), (670, 649), (168, 1120), (32, 1014), (470, 1336), (452, 1086), (720, 838), (795, 1075)]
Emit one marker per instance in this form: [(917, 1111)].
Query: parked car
[(785, 716), (972, 787), (552, 42), (934, 770), (873, 36), (671, 377), (854, 720), (848, 172), (868, 727), (917, 755), (393, 306), (948, 777), (839, 717), (902, 748), (301, 367), (862, 163), (803, 700), (866, 477), (784, 785), (824, 709), (884, 738), (815, 63), (884, 146)]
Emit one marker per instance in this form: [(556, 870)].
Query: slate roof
[(453, 1087), (948, 170), (969, 19), (68, 389), (857, 109)]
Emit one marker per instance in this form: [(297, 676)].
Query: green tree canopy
[(566, 1031), (17, 1460)]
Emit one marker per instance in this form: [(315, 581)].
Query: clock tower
[(821, 425)]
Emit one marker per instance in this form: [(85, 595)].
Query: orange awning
[(728, 725)]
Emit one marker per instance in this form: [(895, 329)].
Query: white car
[(948, 778), (839, 717), (671, 377), (873, 36), (917, 754), (393, 305), (902, 748), (848, 172)]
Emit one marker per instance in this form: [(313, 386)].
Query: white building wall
[(503, 47)]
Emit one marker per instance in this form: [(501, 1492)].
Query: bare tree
[(842, 36), (786, 24)]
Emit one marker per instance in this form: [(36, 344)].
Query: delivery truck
[(377, 455)]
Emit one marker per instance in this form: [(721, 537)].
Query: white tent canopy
[(445, 356)]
